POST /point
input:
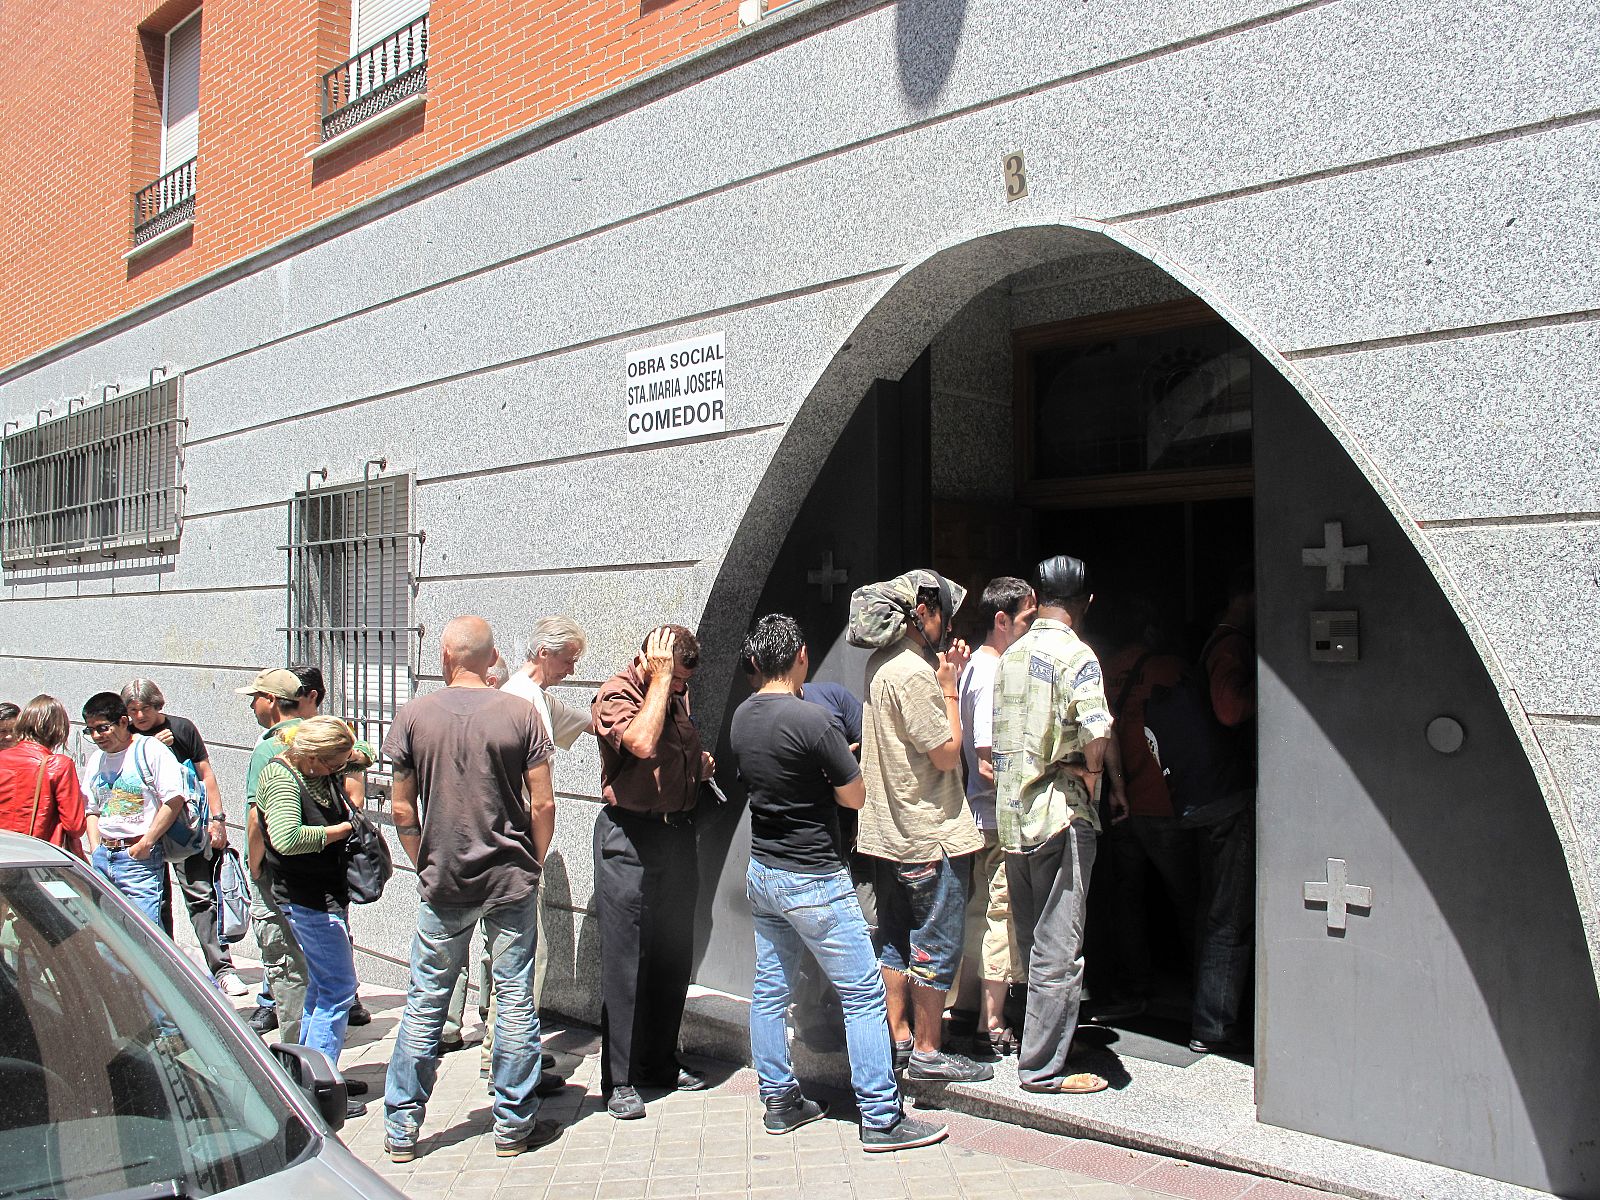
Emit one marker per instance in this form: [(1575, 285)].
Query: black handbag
[(368, 863)]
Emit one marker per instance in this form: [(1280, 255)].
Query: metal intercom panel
[(1335, 637)]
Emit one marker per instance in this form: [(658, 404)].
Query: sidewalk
[(711, 1144)]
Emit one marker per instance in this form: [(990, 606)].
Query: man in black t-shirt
[(798, 771), (146, 713)]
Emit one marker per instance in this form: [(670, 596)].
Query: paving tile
[(1276, 1189), (1194, 1182), (571, 1191), (621, 1189), (722, 1181), (1110, 1164)]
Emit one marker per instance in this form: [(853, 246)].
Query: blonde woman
[(306, 822)]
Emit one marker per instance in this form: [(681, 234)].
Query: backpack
[(1198, 756), (190, 834), (233, 896)]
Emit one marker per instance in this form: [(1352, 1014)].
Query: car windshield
[(115, 1076)]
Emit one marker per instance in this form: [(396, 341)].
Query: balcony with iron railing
[(376, 80), (165, 206)]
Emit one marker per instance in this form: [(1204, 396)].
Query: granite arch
[(914, 303)]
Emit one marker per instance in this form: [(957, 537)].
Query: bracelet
[(219, 819), (952, 696)]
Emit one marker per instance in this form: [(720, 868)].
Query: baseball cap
[(276, 681)]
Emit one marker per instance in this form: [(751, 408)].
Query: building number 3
[(1016, 176)]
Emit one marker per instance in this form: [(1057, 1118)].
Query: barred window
[(99, 482), (350, 586)]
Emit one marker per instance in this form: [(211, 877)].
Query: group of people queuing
[(986, 781), (950, 815)]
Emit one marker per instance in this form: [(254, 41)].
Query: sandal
[(1000, 1043), (1073, 1085)]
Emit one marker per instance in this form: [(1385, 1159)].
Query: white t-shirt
[(564, 722), (124, 790), (976, 692)]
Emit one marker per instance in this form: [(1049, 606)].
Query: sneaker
[(624, 1103), (400, 1152), (542, 1134), (356, 1087), (232, 985), (905, 1134), (359, 1014), (354, 1109), (785, 1114), (947, 1068), (690, 1081), (902, 1054), (264, 1020)]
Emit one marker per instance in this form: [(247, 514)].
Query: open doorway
[(1130, 448)]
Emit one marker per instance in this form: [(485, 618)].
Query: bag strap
[(1135, 673), (38, 786)]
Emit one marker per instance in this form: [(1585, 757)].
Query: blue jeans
[(140, 880), (438, 956), (922, 918), (324, 939), (1228, 935), (793, 913)]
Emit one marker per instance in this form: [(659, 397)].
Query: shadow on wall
[(927, 34), (568, 973), (1449, 1056)]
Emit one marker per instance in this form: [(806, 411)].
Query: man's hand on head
[(659, 653)]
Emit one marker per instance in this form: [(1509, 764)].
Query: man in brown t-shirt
[(646, 877), (462, 756)]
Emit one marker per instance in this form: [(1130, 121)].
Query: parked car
[(126, 1075)]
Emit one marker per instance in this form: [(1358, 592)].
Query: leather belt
[(118, 843)]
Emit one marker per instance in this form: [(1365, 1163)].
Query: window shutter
[(180, 102), (373, 20)]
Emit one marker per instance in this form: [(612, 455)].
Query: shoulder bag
[(368, 863)]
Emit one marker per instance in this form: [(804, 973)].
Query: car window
[(113, 1074)]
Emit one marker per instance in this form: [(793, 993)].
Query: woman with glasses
[(306, 824), (39, 791)]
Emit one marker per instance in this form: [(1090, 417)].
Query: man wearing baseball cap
[(274, 699)]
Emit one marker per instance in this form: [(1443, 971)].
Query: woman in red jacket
[(39, 791)]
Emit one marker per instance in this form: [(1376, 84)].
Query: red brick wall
[(80, 127)]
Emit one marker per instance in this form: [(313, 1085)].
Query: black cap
[(1061, 578)]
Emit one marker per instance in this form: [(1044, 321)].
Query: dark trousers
[(1227, 940), (1134, 848), (646, 883), (200, 898)]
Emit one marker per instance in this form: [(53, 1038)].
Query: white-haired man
[(554, 648)]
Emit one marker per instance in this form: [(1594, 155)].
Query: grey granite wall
[(1395, 201)]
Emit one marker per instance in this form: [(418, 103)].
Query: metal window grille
[(350, 587), (100, 481)]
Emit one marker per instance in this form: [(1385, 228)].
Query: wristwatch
[(219, 819)]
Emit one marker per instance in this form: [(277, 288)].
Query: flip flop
[(1073, 1085)]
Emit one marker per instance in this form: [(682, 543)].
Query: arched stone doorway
[(1457, 1020)]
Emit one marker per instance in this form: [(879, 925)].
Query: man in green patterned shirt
[(1051, 728)]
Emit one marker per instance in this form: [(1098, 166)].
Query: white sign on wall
[(676, 391)]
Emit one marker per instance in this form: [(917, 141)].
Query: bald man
[(461, 758)]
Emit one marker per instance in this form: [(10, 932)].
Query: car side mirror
[(315, 1074)]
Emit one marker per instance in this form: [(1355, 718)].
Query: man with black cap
[(916, 826), (1051, 728)]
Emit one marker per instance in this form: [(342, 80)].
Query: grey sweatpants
[(1049, 897)]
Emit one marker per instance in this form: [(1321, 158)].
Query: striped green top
[(278, 794)]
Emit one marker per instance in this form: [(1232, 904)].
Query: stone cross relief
[(1334, 556), (1339, 894), (827, 577)]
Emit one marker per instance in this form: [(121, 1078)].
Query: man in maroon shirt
[(646, 874)]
